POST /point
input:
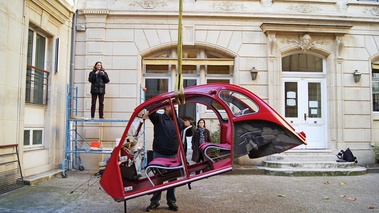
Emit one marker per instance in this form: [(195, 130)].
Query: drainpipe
[(72, 60)]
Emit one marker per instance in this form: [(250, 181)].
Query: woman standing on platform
[(98, 78)]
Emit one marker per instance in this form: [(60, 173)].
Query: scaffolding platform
[(77, 144)]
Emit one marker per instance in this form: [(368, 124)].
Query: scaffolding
[(77, 144)]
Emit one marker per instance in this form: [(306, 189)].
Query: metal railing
[(10, 168), (37, 81)]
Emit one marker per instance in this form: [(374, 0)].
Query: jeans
[(101, 105), (170, 195)]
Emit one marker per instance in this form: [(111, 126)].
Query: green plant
[(215, 136), (376, 151)]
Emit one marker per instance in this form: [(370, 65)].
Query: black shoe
[(101, 117), (173, 207), (152, 206)]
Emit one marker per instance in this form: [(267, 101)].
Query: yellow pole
[(179, 78)]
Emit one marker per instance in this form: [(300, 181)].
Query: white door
[(305, 109)]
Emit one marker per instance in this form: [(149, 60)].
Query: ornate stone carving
[(305, 42), (95, 12), (304, 8), (228, 6), (340, 44), (271, 42), (149, 4), (373, 11)]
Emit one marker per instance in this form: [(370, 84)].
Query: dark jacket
[(98, 82), (165, 140), (196, 143)]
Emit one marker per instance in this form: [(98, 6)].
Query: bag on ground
[(347, 156)]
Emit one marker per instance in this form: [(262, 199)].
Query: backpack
[(346, 156)]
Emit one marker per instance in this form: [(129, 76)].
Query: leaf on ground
[(281, 195), (327, 182), (325, 198), (342, 195), (372, 207), (342, 183), (352, 198)]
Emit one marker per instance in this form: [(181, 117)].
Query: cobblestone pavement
[(223, 193)]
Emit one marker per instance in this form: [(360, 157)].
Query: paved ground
[(223, 193)]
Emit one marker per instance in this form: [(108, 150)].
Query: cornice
[(308, 1), (305, 28), (58, 11), (95, 12)]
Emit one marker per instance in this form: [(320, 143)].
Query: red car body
[(248, 126)]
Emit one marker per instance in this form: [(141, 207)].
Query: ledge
[(309, 1), (306, 28)]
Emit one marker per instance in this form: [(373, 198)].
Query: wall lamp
[(357, 76), (253, 73)]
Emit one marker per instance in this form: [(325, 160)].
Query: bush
[(376, 151), (215, 136)]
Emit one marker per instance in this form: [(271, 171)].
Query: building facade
[(35, 55), (317, 64), (305, 53)]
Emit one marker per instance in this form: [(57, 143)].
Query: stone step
[(315, 172), (311, 164), (302, 158), (41, 177)]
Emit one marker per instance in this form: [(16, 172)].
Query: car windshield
[(238, 103)]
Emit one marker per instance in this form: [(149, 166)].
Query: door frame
[(301, 124)]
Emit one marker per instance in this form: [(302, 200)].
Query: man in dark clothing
[(98, 78), (165, 145)]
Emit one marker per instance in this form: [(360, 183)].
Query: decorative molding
[(306, 28), (271, 37), (228, 6), (95, 12), (148, 4), (304, 8), (340, 44), (309, 1), (188, 35), (373, 11), (305, 42), (54, 8)]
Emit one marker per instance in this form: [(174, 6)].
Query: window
[(302, 63), (291, 105), (155, 87), (159, 67), (33, 136), (36, 75), (375, 86), (238, 103)]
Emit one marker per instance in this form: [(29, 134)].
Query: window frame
[(201, 74), (374, 80), (37, 78), (32, 131), (156, 77)]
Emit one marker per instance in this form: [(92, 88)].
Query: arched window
[(302, 63), (199, 66)]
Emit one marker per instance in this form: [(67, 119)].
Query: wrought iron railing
[(37, 82)]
